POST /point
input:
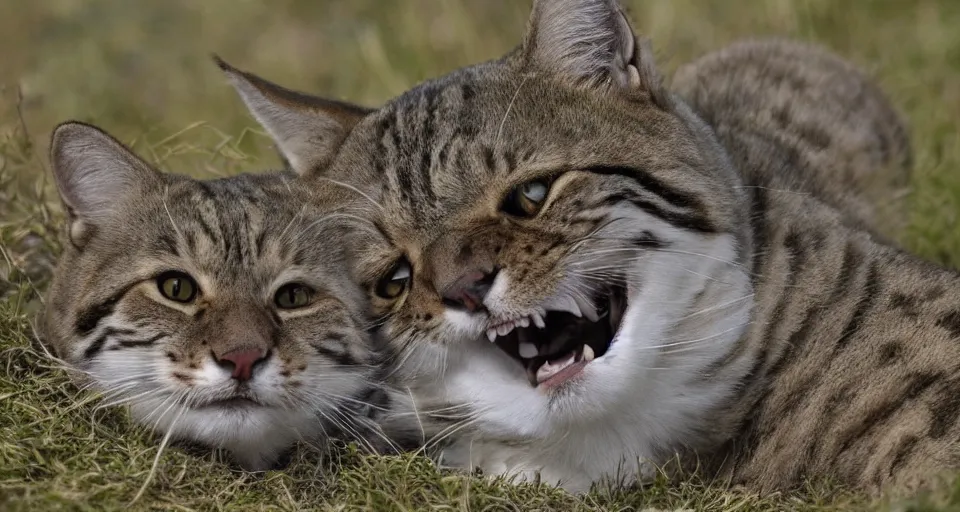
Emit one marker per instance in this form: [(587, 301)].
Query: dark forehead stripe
[(428, 130), (240, 239), (222, 214), (419, 138), (422, 133), (393, 145)]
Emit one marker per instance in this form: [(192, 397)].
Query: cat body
[(859, 385), (854, 347), (220, 312), (803, 120), (581, 279)]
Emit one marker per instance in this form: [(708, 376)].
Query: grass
[(142, 71)]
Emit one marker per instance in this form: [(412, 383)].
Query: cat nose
[(242, 361), (469, 290)]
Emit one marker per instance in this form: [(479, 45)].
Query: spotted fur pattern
[(241, 240), (768, 336)]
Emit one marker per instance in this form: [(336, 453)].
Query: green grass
[(142, 71)]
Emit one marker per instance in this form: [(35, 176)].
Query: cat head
[(552, 225), (221, 312)]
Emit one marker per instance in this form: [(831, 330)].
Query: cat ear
[(591, 43), (93, 171), (308, 130)]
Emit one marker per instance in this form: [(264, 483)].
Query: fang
[(588, 354)]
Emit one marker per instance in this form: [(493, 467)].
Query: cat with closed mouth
[(220, 312)]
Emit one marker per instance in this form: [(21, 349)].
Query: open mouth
[(555, 343)]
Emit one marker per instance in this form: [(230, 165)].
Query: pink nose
[(243, 361), (469, 290)]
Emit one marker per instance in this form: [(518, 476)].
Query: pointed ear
[(308, 130), (591, 43), (93, 171)]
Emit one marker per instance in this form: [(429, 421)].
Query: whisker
[(692, 342), (354, 189), (506, 114), (163, 200), (717, 306)]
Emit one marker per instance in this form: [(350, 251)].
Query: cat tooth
[(572, 307), (504, 329), (588, 354), (528, 350), (524, 322), (492, 334), (564, 303), (586, 308), (538, 320), (551, 368)]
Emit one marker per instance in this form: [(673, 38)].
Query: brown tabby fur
[(807, 120), (854, 359), (241, 239), (848, 367)]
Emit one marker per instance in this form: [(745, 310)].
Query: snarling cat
[(581, 281)]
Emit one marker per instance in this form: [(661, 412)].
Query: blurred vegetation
[(142, 70)]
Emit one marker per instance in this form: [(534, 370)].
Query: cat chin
[(255, 436), (255, 433), (645, 396)]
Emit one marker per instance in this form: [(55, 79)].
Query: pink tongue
[(551, 368)]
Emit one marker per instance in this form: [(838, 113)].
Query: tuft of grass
[(142, 71)]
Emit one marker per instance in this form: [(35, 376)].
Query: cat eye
[(396, 281), (526, 200), (177, 286), (293, 296)]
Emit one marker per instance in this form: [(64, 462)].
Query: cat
[(221, 312), (824, 126), (580, 282)]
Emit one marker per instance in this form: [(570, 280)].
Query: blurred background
[(142, 70)]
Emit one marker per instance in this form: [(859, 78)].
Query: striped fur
[(824, 127), (768, 336), (241, 239)]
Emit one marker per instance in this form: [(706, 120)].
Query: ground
[(142, 70)]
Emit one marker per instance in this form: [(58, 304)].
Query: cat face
[(221, 312), (553, 224), (562, 248)]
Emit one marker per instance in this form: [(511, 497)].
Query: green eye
[(293, 296), (177, 286), (526, 200), (396, 281)]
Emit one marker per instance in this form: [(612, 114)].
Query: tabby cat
[(804, 120), (221, 312), (580, 280)]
